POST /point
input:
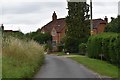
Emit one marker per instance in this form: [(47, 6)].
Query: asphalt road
[(62, 67)]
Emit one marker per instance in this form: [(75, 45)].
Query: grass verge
[(20, 58), (101, 67)]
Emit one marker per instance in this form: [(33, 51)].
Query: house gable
[(98, 26)]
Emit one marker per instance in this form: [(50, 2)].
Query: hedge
[(105, 44), (82, 48)]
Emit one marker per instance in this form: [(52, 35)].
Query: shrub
[(60, 47), (117, 51), (71, 45), (106, 44), (94, 47), (18, 35), (82, 48), (21, 58), (41, 38), (114, 25), (48, 48)]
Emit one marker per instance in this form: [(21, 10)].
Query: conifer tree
[(77, 25)]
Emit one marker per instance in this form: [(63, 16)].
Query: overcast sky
[(29, 15)]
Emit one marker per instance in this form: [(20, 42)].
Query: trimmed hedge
[(105, 44)]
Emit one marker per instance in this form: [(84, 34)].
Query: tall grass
[(20, 58)]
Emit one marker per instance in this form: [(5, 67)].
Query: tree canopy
[(77, 25), (39, 37), (113, 26)]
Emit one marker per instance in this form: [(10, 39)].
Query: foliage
[(60, 47), (40, 37), (63, 38), (106, 44), (101, 67), (71, 45), (31, 35), (77, 26), (48, 48), (114, 25), (82, 48), (43, 38), (20, 58), (19, 34)]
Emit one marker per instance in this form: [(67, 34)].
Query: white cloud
[(29, 15), (105, 8), (7, 1)]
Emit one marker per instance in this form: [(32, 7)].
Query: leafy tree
[(43, 38), (31, 35), (71, 45), (16, 34), (114, 25), (82, 48), (40, 37), (77, 25)]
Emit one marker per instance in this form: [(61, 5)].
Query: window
[(53, 32)]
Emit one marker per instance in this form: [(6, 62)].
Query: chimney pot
[(106, 19), (54, 17)]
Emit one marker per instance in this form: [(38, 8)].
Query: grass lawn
[(101, 67)]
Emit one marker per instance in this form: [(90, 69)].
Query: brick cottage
[(57, 27)]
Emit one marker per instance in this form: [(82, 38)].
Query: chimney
[(2, 27), (106, 19), (54, 16), (112, 18)]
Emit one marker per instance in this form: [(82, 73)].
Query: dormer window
[(53, 32)]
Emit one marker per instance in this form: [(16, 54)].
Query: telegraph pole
[(91, 27)]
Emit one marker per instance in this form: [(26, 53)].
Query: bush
[(20, 58), (48, 48), (106, 44), (117, 50), (41, 38), (71, 45), (18, 35), (82, 48), (116, 57), (60, 47), (113, 26), (94, 47)]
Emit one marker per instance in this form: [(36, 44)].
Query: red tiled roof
[(58, 24), (96, 22)]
